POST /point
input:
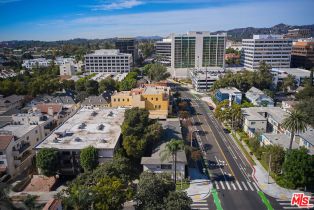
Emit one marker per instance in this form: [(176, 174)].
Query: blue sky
[(68, 19)]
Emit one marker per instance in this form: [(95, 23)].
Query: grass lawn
[(185, 185)]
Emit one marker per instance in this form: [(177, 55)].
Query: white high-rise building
[(108, 61), (196, 49), (163, 51), (273, 49)]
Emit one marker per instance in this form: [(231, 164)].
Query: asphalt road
[(230, 171)]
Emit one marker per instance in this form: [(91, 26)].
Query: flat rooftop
[(280, 139), (110, 52), (95, 127), (17, 130), (292, 71), (256, 113), (229, 90)]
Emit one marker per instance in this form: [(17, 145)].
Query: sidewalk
[(200, 186), (261, 177)]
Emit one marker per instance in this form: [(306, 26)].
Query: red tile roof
[(5, 141), (44, 107)]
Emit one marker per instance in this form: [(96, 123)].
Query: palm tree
[(295, 123), (171, 149)]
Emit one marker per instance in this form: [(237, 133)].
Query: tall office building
[(108, 61), (163, 51), (195, 50), (273, 49), (303, 53), (127, 45)]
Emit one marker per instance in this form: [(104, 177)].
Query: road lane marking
[(222, 186), (239, 185), (228, 186), (234, 187), (248, 183), (244, 186), (199, 204), (217, 186)]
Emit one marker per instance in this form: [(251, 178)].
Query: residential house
[(100, 101), (10, 102), (288, 106), (155, 164), (263, 120), (258, 97), (231, 94)]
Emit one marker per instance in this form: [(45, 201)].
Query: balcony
[(22, 149)]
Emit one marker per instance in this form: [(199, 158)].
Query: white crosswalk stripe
[(235, 185), (200, 205), (244, 186), (240, 188), (250, 186)]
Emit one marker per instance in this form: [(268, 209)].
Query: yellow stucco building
[(155, 99)]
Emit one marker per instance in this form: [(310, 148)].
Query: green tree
[(30, 201), (89, 158), (129, 81), (288, 83), (157, 72), (171, 150), (109, 193), (178, 200), (295, 123), (306, 107), (47, 160), (277, 155), (152, 189), (298, 168), (107, 84), (147, 48), (91, 87), (306, 93), (77, 197)]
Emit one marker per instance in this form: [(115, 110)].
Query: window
[(1, 153), (1, 162), (252, 123), (27, 137), (152, 99), (156, 99), (114, 99), (36, 131), (166, 166)]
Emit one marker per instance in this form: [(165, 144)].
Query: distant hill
[(238, 34)]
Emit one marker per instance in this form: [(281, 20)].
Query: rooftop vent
[(100, 127), (77, 139), (82, 126), (55, 140), (94, 113), (103, 141), (110, 114)]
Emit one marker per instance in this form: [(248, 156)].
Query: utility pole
[(269, 168)]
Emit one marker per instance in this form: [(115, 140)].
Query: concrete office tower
[(108, 61), (303, 53), (127, 45), (196, 50), (163, 51), (273, 49)]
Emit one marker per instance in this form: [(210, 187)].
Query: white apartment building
[(90, 126), (196, 49), (204, 78), (299, 74), (108, 61), (37, 62), (273, 49), (19, 140), (163, 51)]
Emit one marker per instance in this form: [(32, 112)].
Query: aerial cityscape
[(156, 105)]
